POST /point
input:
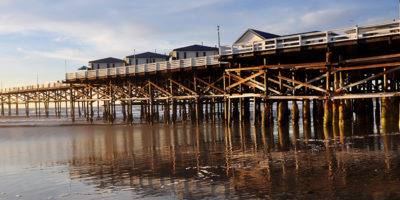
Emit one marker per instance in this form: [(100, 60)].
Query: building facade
[(106, 63), (193, 51), (146, 57)]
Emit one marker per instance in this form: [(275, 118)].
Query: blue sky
[(37, 36)]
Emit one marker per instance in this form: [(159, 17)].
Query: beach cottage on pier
[(146, 57), (193, 51), (252, 35), (106, 63)]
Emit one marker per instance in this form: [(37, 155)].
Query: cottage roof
[(261, 34), (148, 55), (196, 47), (83, 67), (108, 60)]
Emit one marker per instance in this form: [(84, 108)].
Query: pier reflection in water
[(197, 161)]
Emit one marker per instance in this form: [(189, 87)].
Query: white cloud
[(323, 17)]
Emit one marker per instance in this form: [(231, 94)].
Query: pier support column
[(228, 112), (26, 106), (328, 112), (2, 105), (385, 110), (306, 111), (256, 110), (335, 111), (283, 112), (123, 110), (130, 115), (9, 105), (183, 111), (79, 109), (166, 111), (72, 99), (173, 111), (16, 105), (295, 112)]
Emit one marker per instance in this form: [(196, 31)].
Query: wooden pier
[(333, 74)]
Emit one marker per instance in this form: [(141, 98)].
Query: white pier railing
[(314, 38), (34, 87), (150, 67)]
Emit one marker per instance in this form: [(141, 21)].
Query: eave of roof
[(148, 55), (108, 60), (196, 47)]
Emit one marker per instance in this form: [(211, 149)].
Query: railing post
[(357, 31), (300, 41), (327, 36)]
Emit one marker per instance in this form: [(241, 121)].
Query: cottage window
[(197, 54), (98, 66), (204, 53), (147, 60), (154, 60), (113, 64), (184, 55), (177, 55), (136, 61)]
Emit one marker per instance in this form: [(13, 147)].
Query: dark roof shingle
[(196, 47), (148, 55), (265, 35), (108, 60)]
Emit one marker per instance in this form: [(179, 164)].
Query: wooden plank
[(366, 66), (182, 86), (242, 80), (373, 59), (280, 66), (237, 78), (304, 84), (369, 78), (210, 85), (308, 82), (158, 87), (369, 95), (80, 93), (277, 82)]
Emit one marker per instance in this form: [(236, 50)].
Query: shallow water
[(54, 159)]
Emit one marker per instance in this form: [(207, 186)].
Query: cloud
[(321, 17)]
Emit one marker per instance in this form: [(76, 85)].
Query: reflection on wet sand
[(214, 160)]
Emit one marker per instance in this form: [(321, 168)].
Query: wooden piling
[(335, 111), (295, 112), (327, 112), (385, 110), (306, 111), (71, 98), (283, 112)]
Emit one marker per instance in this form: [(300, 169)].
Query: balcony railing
[(314, 38), (150, 67)]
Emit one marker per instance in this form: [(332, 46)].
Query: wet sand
[(60, 160)]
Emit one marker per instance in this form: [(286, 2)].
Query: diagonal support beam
[(159, 88), (243, 80), (309, 82), (97, 91), (255, 85), (367, 79), (210, 85), (303, 84), (80, 93), (182, 86)]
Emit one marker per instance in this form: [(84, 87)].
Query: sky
[(42, 39)]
